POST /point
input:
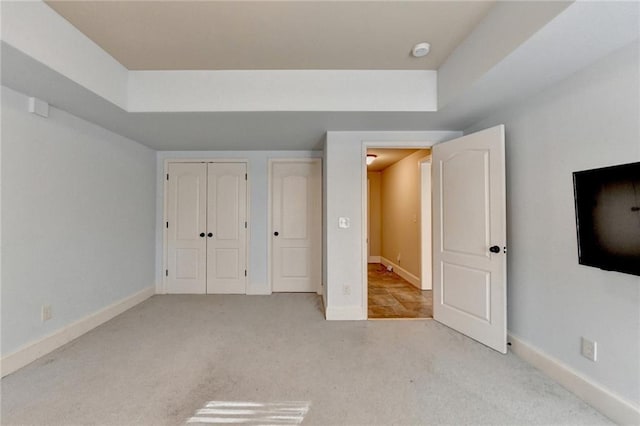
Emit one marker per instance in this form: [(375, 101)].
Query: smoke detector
[(421, 49)]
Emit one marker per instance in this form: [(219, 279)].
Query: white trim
[(608, 403), (375, 259), (365, 227), (269, 211), (269, 227), (399, 145), (345, 313), (426, 234), (414, 280), (34, 350), (261, 290), (165, 245)]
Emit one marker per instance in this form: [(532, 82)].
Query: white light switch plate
[(344, 222)]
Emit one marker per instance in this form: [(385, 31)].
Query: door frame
[(165, 236), (365, 200), (271, 161), (426, 233)]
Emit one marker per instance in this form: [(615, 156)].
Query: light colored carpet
[(165, 359)]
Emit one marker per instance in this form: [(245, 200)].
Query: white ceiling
[(240, 35)]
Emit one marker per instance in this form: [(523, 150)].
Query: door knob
[(209, 235), (494, 249), (276, 233), (202, 234)]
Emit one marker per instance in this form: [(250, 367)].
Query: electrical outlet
[(389, 268), (47, 314), (589, 349), (346, 290)]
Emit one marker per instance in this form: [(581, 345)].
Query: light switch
[(344, 222)]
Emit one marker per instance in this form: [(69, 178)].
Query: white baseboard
[(258, 289), (34, 350), (375, 259), (608, 403), (415, 281), (258, 292), (344, 313)]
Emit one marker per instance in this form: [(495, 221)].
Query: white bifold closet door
[(206, 228), (186, 224), (226, 220)]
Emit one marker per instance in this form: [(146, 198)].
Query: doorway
[(399, 233), (468, 196)]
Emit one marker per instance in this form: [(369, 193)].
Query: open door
[(469, 236)]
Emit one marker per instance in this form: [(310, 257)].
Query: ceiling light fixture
[(371, 158), (421, 49)]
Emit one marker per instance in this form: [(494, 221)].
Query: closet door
[(186, 227), (226, 228)]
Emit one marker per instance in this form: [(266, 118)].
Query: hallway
[(391, 296)]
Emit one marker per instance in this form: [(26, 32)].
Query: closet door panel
[(186, 221), (226, 231)]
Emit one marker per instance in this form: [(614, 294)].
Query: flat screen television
[(607, 204)]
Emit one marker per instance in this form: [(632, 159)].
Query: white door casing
[(469, 217), (226, 228), (296, 225), (426, 270), (185, 222)]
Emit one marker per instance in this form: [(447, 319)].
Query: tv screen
[(608, 217)]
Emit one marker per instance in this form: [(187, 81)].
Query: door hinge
[(245, 272), (245, 224), (245, 176), (166, 272), (167, 225), (167, 176)]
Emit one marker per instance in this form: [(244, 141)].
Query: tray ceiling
[(238, 35)]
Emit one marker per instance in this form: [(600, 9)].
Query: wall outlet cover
[(47, 313), (589, 349)]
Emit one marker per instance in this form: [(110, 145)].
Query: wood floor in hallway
[(391, 296)]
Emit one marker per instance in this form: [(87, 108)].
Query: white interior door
[(226, 228), (186, 227), (469, 236), (296, 226)]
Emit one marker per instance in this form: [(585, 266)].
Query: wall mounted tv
[(608, 217)]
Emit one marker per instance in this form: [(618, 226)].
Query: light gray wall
[(588, 120), (343, 251), (257, 170), (78, 219)]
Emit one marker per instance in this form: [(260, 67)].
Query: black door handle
[(276, 233), (202, 234), (494, 249), (209, 235)]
